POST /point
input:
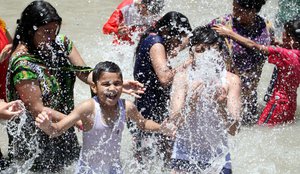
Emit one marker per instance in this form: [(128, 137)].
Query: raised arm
[(178, 95), (82, 112), (234, 103), (224, 31)]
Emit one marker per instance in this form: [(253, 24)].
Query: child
[(103, 119), (196, 101), (283, 103), (132, 16)]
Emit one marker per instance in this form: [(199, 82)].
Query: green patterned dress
[(56, 80)]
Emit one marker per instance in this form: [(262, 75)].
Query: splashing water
[(254, 150)]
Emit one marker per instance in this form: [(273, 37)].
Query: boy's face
[(109, 88), (200, 48)]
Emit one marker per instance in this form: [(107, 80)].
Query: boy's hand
[(133, 88), (222, 30), (44, 121)]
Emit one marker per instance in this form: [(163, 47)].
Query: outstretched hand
[(222, 30), (44, 121), (133, 88), (11, 109)]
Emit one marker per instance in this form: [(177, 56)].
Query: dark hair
[(292, 28), (154, 6), (36, 14), (205, 35), (106, 66), (251, 4), (174, 23)]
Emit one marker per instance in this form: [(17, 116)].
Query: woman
[(246, 63), (157, 45), (42, 73)]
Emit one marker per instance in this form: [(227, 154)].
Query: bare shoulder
[(87, 107), (233, 78)]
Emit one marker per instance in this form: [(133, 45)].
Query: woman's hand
[(11, 109), (222, 30), (5, 52), (133, 88)]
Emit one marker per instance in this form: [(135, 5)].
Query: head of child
[(173, 27), (207, 49), (246, 10), (38, 26), (291, 35), (108, 83), (150, 7), (205, 38)]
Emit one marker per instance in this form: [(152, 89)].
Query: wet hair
[(106, 66), (292, 28), (251, 4), (173, 23), (205, 35), (36, 14), (154, 6)]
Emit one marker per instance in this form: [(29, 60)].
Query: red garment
[(3, 65), (282, 105), (117, 18)]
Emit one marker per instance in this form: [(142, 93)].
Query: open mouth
[(111, 95)]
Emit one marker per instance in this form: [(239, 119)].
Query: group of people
[(186, 111)]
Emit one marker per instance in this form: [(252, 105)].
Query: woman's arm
[(77, 60), (224, 31), (81, 112), (159, 61), (30, 94)]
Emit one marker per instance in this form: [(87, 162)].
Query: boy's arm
[(234, 104), (224, 31), (44, 119), (142, 123)]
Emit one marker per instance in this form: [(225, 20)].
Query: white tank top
[(101, 146)]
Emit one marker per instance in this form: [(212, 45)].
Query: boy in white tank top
[(103, 119), (200, 109)]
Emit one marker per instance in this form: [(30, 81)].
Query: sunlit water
[(254, 150)]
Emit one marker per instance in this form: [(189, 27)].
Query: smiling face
[(108, 88), (45, 34)]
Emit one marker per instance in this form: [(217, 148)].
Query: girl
[(246, 63), (198, 105), (103, 118), (283, 103), (157, 45)]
